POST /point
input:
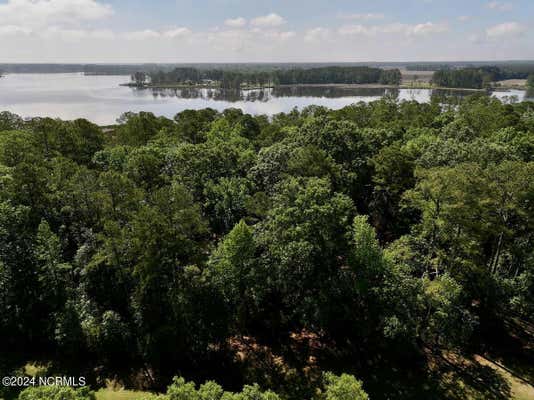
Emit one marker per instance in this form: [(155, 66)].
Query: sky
[(130, 31)]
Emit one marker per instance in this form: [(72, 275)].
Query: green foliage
[(465, 78), (254, 393), (175, 246), (77, 140), (10, 121), (191, 125), (448, 320), (227, 202), (182, 390), (477, 78), (344, 387), (138, 129), (234, 79), (56, 393), (210, 391)]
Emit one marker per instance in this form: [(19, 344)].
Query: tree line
[(235, 79), (479, 77), (246, 249), (344, 387)]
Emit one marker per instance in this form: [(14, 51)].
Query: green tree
[(226, 202), (344, 387), (236, 272), (139, 129), (10, 121), (305, 242), (192, 125)]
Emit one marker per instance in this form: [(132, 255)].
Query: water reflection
[(317, 92), (268, 94), (102, 99), (205, 94), (333, 91)]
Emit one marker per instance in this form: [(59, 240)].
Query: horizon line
[(266, 62)]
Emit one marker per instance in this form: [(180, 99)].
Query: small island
[(449, 76), (235, 79)]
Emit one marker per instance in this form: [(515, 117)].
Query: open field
[(511, 84), (416, 77)]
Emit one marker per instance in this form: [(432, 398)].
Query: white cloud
[(177, 32), (422, 29), (38, 14), (73, 35), (270, 20), (476, 38), (102, 34), (14, 30), (280, 35), (426, 28), (464, 18), (236, 22), (505, 30), (57, 37), (147, 34), (317, 34), (142, 35), (500, 6), (364, 17), (356, 30)]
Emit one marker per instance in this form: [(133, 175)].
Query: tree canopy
[(194, 245)]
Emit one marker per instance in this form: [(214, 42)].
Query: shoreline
[(316, 85), (185, 86)]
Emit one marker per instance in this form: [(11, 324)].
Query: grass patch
[(36, 369), (121, 394)]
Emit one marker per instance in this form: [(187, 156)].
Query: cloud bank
[(84, 31)]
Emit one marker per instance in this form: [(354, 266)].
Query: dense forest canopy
[(480, 77), (236, 78), (245, 249), (427, 67)]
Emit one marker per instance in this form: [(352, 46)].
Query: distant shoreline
[(310, 85)]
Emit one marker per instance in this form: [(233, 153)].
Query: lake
[(102, 100)]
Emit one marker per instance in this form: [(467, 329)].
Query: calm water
[(102, 100)]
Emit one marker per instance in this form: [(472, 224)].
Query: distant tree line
[(426, 67), (338, 75), (229, 79), (480, 77), (88, 69), (462, 78)]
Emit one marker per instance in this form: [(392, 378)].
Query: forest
[(480, 77), (234, 79), (313, 255)]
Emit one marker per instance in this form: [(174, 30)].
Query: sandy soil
[(511, 83)]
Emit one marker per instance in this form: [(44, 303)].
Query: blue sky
[(303, 14), (270, 31)]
